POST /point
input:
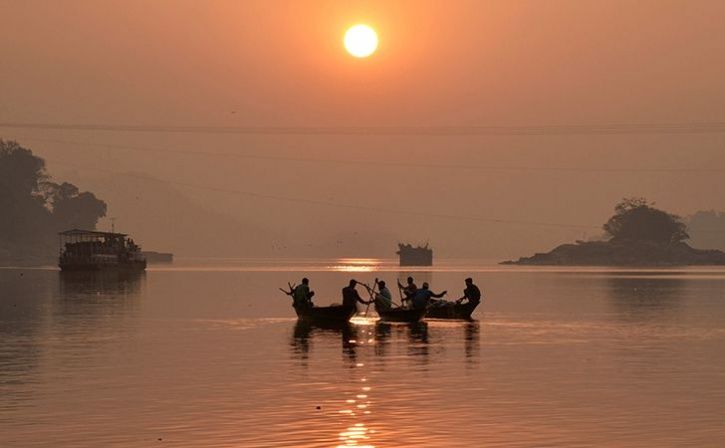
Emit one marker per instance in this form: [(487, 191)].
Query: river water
[(208, 353)]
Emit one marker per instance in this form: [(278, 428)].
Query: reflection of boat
[(305, 332), (104, 282), (402, 315), (451, 311), (326, 314), (303, 328), (88, 250), (415, 256)]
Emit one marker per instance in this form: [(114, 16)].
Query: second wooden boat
[(401, 315), (451, 311), (326, 314)]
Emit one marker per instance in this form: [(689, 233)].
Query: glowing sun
[(361, 41)]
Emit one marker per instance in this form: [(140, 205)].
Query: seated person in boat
[(423, 296), (383, 298), (409, 291), (471, 294), (302, 296), (350, 296)]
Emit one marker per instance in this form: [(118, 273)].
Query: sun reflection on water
[(356, 265), (356, 418), (362, 321), (357, 432)]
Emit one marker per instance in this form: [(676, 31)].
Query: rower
[(471, 294), (350, 296), (423, 296), (383, 298), (409, 290), (302, 296)]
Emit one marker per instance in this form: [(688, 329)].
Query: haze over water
[(210, 354)]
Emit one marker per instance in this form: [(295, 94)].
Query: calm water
[(211, 356)]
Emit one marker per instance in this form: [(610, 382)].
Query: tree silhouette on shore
[(636, 219), (33, 208)]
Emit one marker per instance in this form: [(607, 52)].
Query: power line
[(351, 206), (383, 163), (715, 127)]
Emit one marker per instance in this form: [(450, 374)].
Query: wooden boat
[(402, 315), (326, 314), (451, 311)]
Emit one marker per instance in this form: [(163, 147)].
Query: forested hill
[(34, 208), (639, 235)]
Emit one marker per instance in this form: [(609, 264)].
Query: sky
[(282, 64)]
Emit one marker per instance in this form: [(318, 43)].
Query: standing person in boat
[(471, 294), (383, 298), (302, 296), (409, 291), (424, 295), (350, 296)]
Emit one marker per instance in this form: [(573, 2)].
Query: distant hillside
[(161, 217), (707, 229), (164, 217)]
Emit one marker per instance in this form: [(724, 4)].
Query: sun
[(361, 41)]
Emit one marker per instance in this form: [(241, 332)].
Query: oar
[(396, 304), (400, 292), (370, 292), (366, 309), (291, 289)]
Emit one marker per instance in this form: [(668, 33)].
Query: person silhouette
[(350, 296), (302, 296), (423, 296), (409, 290), (471, 294)]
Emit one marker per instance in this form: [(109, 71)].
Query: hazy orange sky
[(459, 63), (282, 62)]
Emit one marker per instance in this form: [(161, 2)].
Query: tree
[(636, 219), (72, 208), (33, 208), (22, 205)]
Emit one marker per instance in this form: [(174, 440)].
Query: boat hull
[(326, 314), (451, 311), (402, 315), (131, 266)]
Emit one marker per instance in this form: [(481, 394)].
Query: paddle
[(291, 289), (400, 292), (370, 292)]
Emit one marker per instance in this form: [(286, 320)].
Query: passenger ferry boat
[(415, 256), (89, 250)]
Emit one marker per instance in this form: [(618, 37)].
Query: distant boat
[(89, 250), (158, 257), (415, 256)]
